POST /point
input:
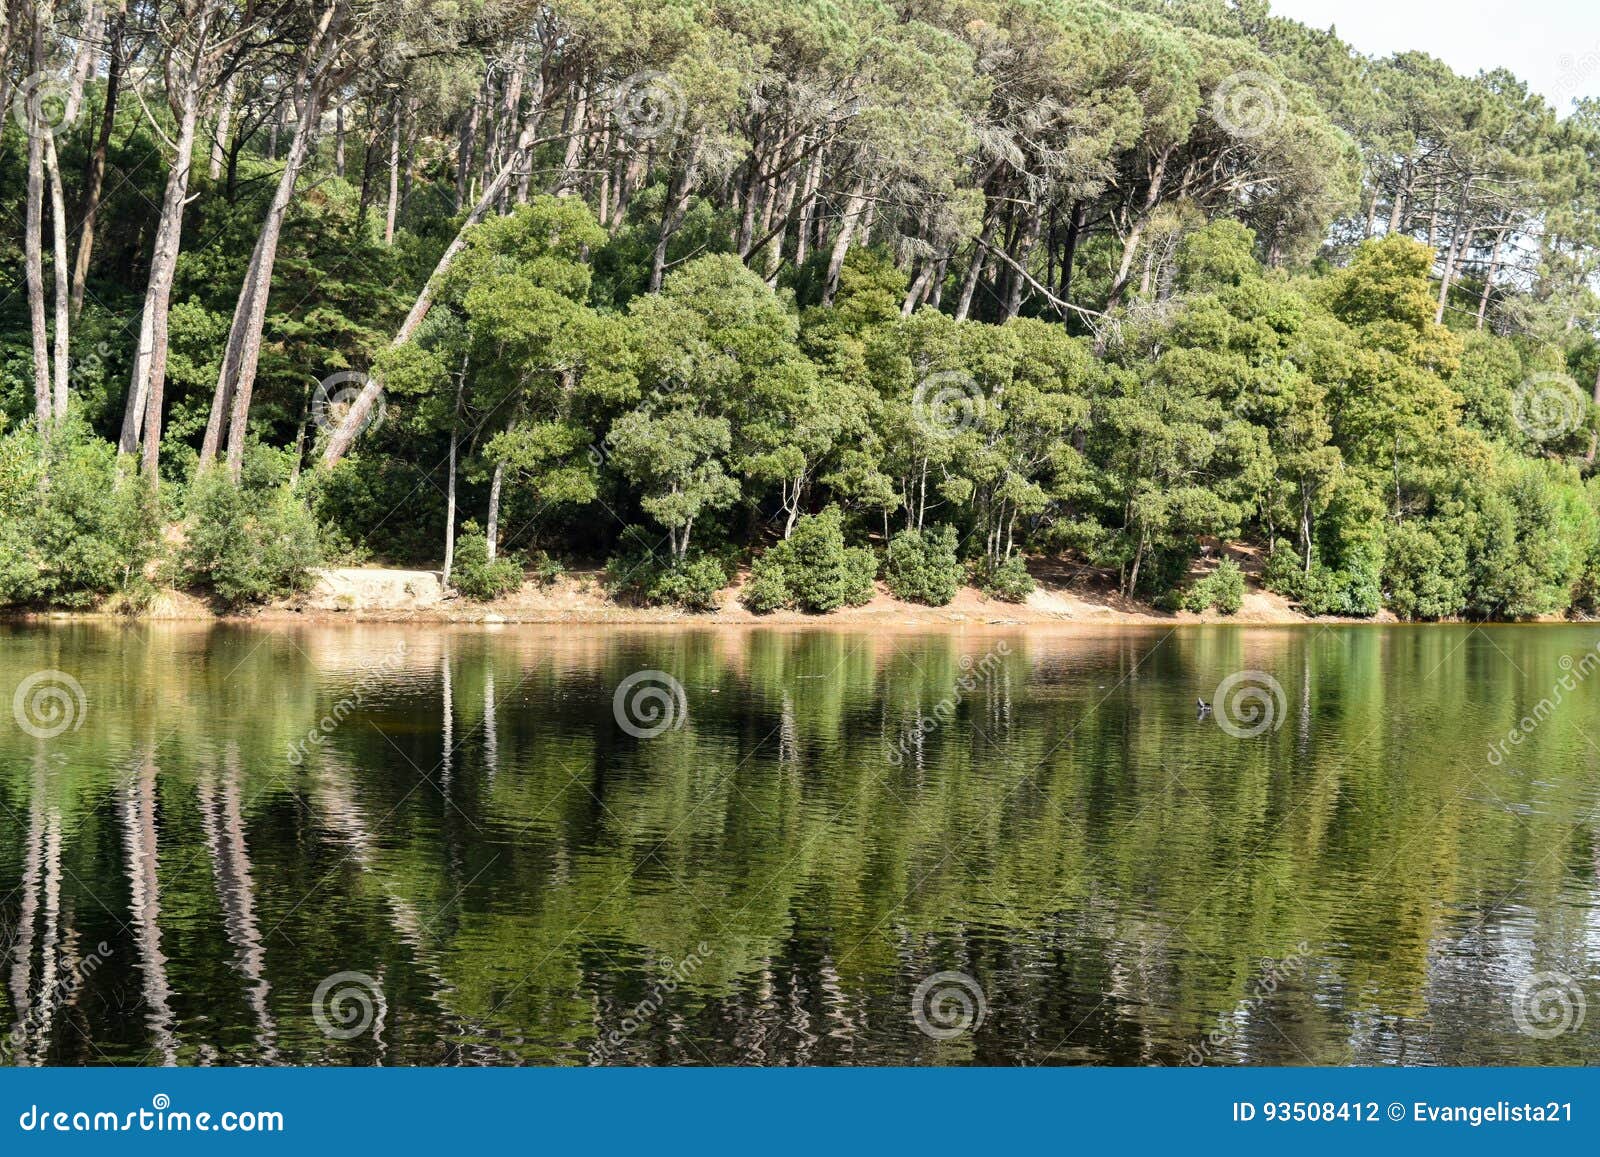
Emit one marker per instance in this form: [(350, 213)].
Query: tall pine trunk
[(242, 354), (142, 417), (33, 233), (94, 173), (355, 418)]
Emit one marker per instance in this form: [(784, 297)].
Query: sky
[(1554, 45)]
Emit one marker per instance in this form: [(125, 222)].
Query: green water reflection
[(517, 879)]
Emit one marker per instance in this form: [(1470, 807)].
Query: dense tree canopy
[(670, 283)]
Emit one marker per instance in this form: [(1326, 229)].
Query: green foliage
[(922, 567), (476, 575), (73, 528), (1222, 588), (812, 569), (757, 314), (247, 546), (1008, 580), (652, 578)]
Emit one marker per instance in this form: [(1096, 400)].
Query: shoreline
[(386, 596)]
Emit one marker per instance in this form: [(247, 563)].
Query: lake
[(421, 844)]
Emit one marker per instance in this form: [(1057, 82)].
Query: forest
[(811, 294)]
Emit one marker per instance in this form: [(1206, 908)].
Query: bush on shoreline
[(246, 546), (812, 570)]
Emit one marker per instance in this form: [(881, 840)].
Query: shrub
[(922, 566), (247, 546), (768, 588), (546, 570), (1223, 588), (1285, 570), (1325, 590), (1009, 581), (73, 529), (812, 569), (1424, 571), (694, 583), (477, 576)]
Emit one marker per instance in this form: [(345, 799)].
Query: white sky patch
[(1553, 45)]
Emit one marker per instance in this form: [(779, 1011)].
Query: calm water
[(477, 864)]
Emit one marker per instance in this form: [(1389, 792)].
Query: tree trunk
[(95, 169), (394, 172), (340, 441), (1069, 250), (808, 208), (855, 205), (83, 61), (219, 136), (58, 234), (338, 140), (1488, 277), (150, 362), (491, 530), (466, 142), (676, 207), (1130, 245), (1458, 245), (1030, 238), (969, 283), (919, 286), (575, 129), (242, 354), (450, 492), (33, 239)]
